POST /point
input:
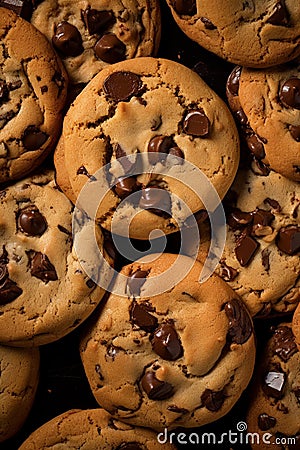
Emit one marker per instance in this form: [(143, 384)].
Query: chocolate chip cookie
[(263, 242), (296, 325), (266, 105), (89, 35), (275, 393), (44, 293), (92, 429), (33, 86), (256, 33), (159, 110), (180, 358), (19, 369)]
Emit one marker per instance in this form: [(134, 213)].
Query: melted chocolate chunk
[(185, 7), (295, 132), (265, 259), (241, 117), (213, 401), (21, 7), (196, 123), (256, 146), (265, 422), (238, 219), (136, 281), (4, 92), (273, 203), (158, 147), (110, 49), (284, 343), (42, 268), (156, 201), (156, 389), (233, 82), (177, 153), (288, 240), (97, 21), (9, 291), (245, 249), (125, 186), (129, 446), (142, 318), (166, 343), (240, 325), (33, 138), (228, 273), (3, 273), (208, 23), (121, 86), (273, 384), (290, 93), (31, 221), (262, 217), (67, 39), (280, 15)]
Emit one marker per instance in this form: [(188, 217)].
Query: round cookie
[(256, 33), (91, 429), (33, 86), (89, 35), (149, 105), (180, 358), (273, 412), (262, 243), (44, 293), (266, 105), (19, 369), (296, 325)]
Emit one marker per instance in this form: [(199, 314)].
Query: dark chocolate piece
[(256, 146), (290, 93), (240, 325), (110, 49), (33, 138), (67, 39), (136, 281), (158, 147), (156, 201), (21, 7), (41, 268), (284, 343), (273, 384), (142, 318), (280, 15), (288, 240), (9, 291), (31, 221), (185, 7), (156, 389), (233, 82), (213, 401), (245, 249), (295, 132), (265, 422), (208, 23), (125, 186), (166, 343), (121, 86), (97, 21), (228, 273), (196, 123)]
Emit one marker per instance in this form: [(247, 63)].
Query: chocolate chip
[(228, 273), (42, 268), (125, 186), (129, 446), (21, 7), (196, 123), (245, 249), (96, 21), (141, 317), (273, 384), (156, 389), (67, 39), (33, 138), (237, 219), (136, 281), (273, 203), (90, 283), (233, 82), (280, 15), (213, 401), (265, 259), (4, 92), (31, 221), (265, 422), (241, 117), (284, 343), (256, 147), (112, 352), (288, 240), (177, 153), (240, 325), (262, 217), (295, 132), (121, 86), (290, 93), (110, 49), (9, 291), (185, 7), (263, 169), (158, 147), (156, 200), (208, 23), (166, 343), (3, 273)]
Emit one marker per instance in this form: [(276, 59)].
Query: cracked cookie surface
[(180, 358), (92, 429), (44, 293), (160, 109), (33, 86), (266, 107), (252, 33), (275, 391), (262, 243), (19, 369), (88, 35)]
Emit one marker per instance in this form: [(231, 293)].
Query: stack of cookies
[(150, 223)]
